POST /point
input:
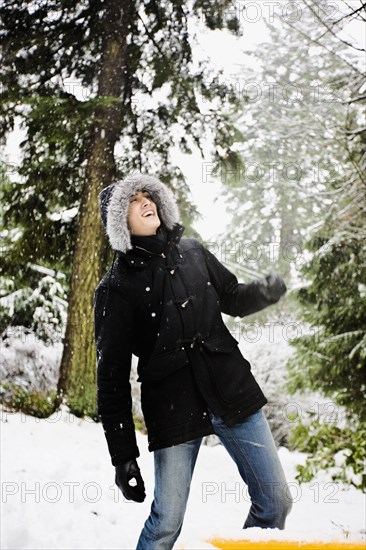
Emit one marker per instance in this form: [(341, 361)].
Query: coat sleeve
[(114, 340), (239, 299)]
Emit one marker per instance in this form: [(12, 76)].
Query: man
[(162, 301)]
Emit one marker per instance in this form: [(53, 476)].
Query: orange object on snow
[(230, 544)]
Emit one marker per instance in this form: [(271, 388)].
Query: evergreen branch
[(355, 100), (352, 13), (157, 45), (318, 354), (344, 335), (329, 29), (316, 41), (358, 346), (359, 9), (47, 271), (343, 144), (356, 132)]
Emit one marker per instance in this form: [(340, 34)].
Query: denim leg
[(250, 444), (173, 470)]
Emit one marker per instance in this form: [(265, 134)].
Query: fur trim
[(114, 205)]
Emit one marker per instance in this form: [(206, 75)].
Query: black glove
[(273, 287), (124, 474)]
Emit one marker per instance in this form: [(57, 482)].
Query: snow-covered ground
[(58, 492)]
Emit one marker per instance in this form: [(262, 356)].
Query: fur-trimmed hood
[(114, 205)]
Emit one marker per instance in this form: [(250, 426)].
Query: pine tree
[(100, 88), (332, 358), (290, 148)]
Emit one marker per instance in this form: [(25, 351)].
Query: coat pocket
[(223, 344), (162, 364), (230, 372)]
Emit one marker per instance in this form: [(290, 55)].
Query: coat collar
[(141, 257)]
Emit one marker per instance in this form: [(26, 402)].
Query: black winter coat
[(165, 308)]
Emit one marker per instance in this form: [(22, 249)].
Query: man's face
[(143, 219)]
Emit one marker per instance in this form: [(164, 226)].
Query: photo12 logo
[(249, 12)]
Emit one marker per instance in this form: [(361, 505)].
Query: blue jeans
[(251, 446)]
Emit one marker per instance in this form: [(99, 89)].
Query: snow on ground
[(58, 492)]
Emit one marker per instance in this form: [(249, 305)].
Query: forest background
[(273, 139)]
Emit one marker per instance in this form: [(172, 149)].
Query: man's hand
[(129, 480), (273, 287)]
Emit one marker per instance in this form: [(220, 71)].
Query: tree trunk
[(78, 364)]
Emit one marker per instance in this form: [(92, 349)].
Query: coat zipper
[(149, 252)]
